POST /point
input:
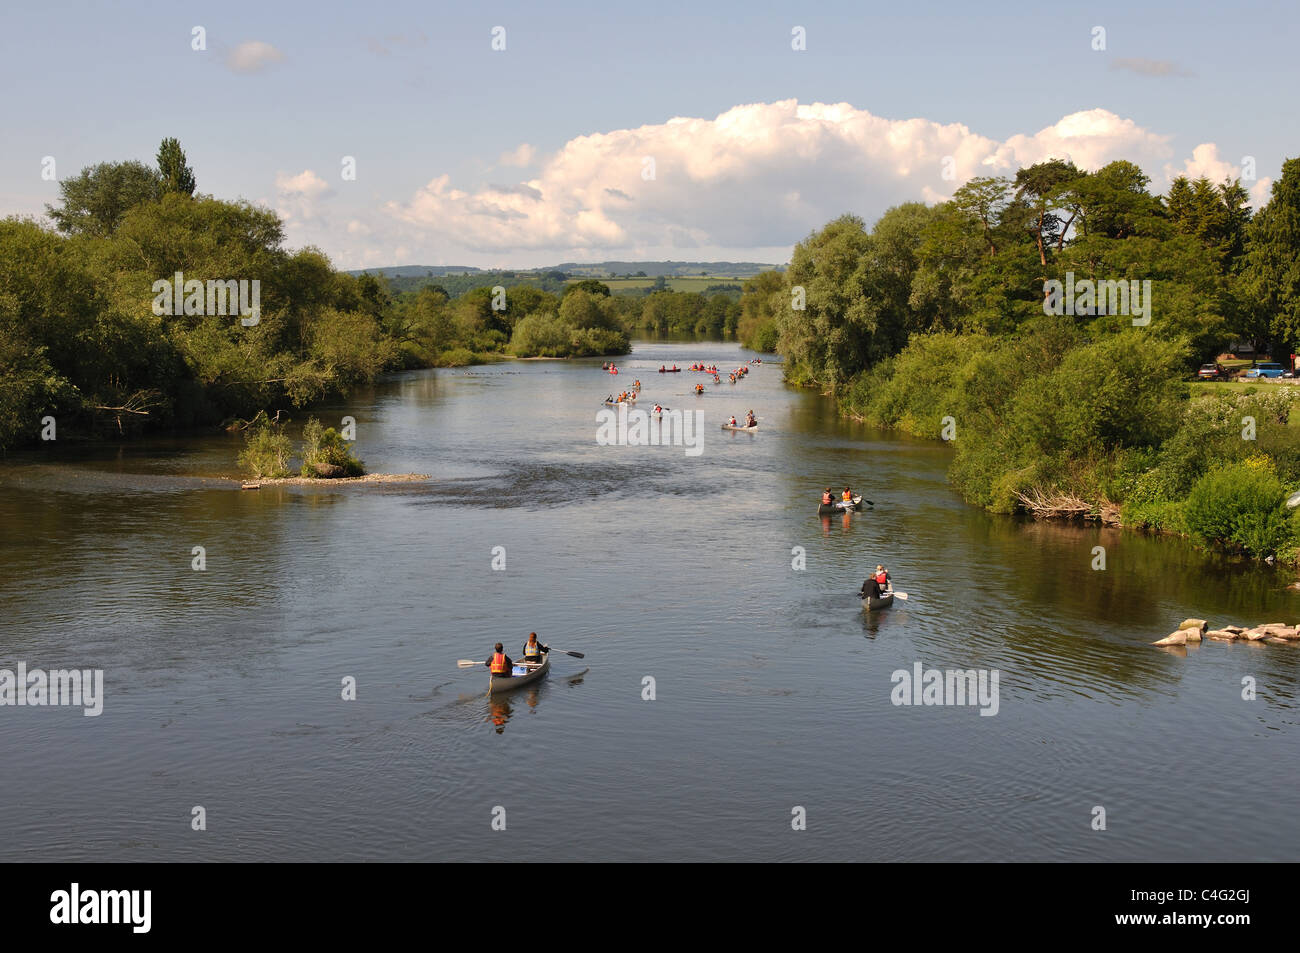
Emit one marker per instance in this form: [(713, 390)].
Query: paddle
[(563, 652)]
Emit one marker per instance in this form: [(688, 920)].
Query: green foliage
[(1240, 505), (176, 174), (324, 446), (267, 450), (95, 201)]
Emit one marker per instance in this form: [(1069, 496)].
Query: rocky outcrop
[(1194, 630)]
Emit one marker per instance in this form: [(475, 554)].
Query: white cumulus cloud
[(758, 175), (252, 56), (298, 197)]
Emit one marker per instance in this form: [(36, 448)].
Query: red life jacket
[(882, 577), (499, 666)]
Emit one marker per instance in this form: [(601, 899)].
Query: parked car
[(1210, 372), (1268, 369)]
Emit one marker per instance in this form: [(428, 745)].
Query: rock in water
[(1176, 638), (1198, 624), (1255, 635), (1222, 635)]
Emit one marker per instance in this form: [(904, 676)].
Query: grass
[(1201, 387)]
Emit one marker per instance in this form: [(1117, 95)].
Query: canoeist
[(636, 385), (847, 495), (699, 388), (732, 421), (882, 578), (534, 649), (658, 410), (663, 368), (827, 497), (870, 589), (499, 663), (751, 420)]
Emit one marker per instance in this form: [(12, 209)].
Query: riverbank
[(334, 481), (1057, 425)]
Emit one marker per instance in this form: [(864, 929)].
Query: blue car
[(1265, 370)]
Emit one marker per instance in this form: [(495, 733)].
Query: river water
[(771, 687)]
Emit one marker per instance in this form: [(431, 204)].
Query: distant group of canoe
[(631, 395)]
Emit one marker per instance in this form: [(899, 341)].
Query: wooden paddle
[(470, 663)]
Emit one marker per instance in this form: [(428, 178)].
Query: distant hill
[(601, 269), (418, 271), (629, 277), (669, 269)]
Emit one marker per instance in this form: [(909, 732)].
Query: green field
[(1260, 384)]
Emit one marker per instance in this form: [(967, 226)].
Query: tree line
[(934, 321), (82, 341)]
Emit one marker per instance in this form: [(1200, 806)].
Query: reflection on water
[(772, 684)]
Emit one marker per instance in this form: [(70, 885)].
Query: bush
[(1162, 517), (1240, 506), (266, 453), (456, 357), (540, 335), (326, 447)]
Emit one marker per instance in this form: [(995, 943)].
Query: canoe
[(611, 403), (881, 602), (742, 429), (497, 685), (830, 509)]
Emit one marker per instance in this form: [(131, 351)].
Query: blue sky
[(536, 154)]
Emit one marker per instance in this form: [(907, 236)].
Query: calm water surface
[(772, 686)]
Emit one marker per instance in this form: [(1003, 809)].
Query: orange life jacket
[(826, 498), (499, 666), (847, 496)]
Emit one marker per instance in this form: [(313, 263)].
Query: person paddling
[(827, 497), (847, 495), (882, 579), (499, 663), (751, 420), (534, 650)]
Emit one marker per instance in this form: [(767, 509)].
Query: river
[(771, 687)]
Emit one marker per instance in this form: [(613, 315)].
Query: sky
[(529, 134)]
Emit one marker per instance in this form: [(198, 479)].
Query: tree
[(176, 175), (589, 285), (1046, 190), (1271, 274), (95, 201)]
